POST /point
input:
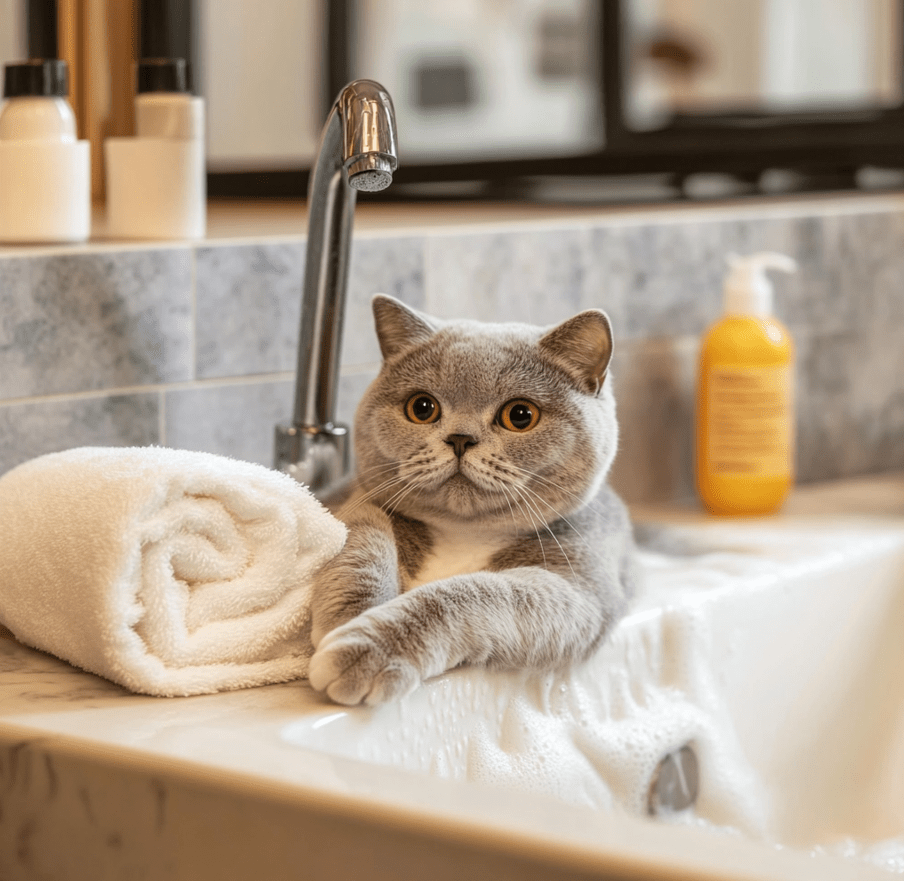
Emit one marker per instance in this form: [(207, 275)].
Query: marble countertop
[(260, 220)]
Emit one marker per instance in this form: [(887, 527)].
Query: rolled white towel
[(167, 571)]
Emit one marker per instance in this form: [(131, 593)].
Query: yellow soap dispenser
[(745, 396)]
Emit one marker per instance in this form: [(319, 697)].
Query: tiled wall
[(195, 346)]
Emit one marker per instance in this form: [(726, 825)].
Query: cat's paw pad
[(351, 666)]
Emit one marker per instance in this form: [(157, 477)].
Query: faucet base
[(315, 455)]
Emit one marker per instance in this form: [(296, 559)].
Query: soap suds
[(594, 735), (887, 855)]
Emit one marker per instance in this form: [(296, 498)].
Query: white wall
[(260, 76), (12, 30), (840, 52)]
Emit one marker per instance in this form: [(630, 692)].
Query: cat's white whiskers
[(547, 527), (378, 470), (373, 493), (389, 481), (413, 479), (525, 472), (505, 495), (505, 485), (577, 532), (418, 457), (412, 475), (559, 515), (509, 497), (530, 517), (392, 504)]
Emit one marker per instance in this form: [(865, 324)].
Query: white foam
[(887, 855), (594, 735)]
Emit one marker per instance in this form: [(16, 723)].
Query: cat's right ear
[(583, 347), (398, 326)]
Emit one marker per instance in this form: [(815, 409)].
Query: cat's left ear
[(398, 326), (583, 347)]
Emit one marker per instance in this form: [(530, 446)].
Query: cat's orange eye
[(519, 415), (422, 408)]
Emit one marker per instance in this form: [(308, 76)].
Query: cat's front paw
[(356, 663)]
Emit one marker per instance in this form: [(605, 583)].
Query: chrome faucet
[(357, 152)]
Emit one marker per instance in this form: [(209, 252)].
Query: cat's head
[(493, 422)]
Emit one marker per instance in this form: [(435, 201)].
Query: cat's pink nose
[(460, 442)]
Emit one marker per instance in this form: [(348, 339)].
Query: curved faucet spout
[(369, 150), (358, 151)]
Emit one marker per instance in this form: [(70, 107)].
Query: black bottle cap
[(40, 78), (162, 75)]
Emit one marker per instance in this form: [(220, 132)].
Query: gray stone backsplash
[(247, 307), (76, 323), (195, 346)]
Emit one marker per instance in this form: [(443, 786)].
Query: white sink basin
[(774, 648), (778, 655)]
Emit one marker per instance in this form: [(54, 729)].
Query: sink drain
[(675, 783)]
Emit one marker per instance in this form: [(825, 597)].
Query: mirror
[(470, 80), (703, 57), (504, 91), (484, 79)]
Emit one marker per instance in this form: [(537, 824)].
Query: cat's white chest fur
[(459, 549)]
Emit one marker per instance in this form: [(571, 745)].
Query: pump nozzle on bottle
[(748, 290)]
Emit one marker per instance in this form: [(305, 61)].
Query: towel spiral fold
[(170, 572)]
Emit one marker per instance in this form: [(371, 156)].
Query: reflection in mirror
[(484, 79), (470, 80), (691, 57), (499, 98)]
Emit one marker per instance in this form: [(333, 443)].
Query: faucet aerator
[(370, 181), (370, 173)]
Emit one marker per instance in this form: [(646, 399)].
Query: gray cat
[(481, 530)]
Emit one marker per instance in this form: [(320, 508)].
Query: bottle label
[(750, 421)]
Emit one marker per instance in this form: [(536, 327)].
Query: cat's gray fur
[(558, 563)]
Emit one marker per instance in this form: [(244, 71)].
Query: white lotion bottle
[(45, 171), (164, 106), (156, 181)]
